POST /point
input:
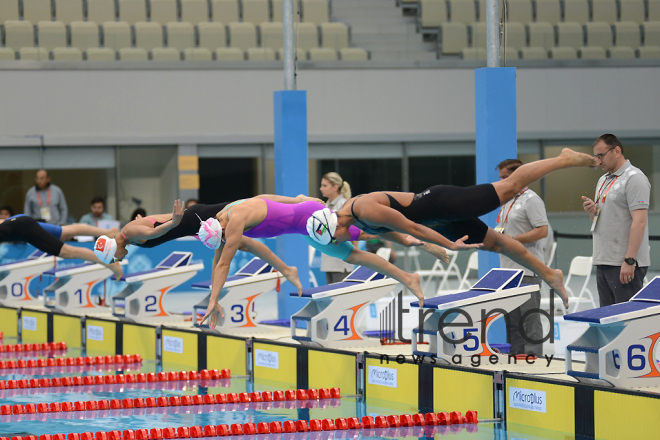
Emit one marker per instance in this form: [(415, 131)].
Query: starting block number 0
[(17, 287)]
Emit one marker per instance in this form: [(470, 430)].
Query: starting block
[(15, 277), (497, 292), (73, 286), (143, 296), (239, 295), (331, 311), (621, 342)]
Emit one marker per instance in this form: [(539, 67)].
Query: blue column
[(291, 179), (495, 106)]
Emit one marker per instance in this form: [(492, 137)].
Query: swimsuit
[(284, 219), (452, 211), (40, 235)]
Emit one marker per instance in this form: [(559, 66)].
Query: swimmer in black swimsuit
[(448, 215), (24, 228)]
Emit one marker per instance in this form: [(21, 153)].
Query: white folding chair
[(580, 267), (551, 254), (440, 271), (384, 252), (473, 264), (312, 278)]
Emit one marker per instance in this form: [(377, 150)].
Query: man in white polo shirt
[(524, 219), (619, 217)]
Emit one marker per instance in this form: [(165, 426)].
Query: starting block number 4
[(346, 324)]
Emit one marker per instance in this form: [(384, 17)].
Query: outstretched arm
[(409, 241), (380, 215), (233, 235)]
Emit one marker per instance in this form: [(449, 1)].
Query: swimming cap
[(105, 248), (210, 233), (322, 225)]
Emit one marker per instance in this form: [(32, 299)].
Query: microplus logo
[(30, 323), (267, 359), (95, 333), (529, 400), (172, 344), (382, 376)]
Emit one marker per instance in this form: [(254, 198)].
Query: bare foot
[(291, 274), (117, 270), (557, 283), (576, 159), (416, 288)]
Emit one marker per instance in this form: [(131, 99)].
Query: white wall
[(85, 107)]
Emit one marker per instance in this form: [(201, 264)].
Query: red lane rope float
[(71, 361), (114, 379), (18, 348), (372, 425), (149, 402)]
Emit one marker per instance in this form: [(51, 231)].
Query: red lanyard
[(47, 200), (606, 189), (506, 219)]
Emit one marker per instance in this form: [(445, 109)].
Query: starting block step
[(240, 297), (582, 348), (498, 289), (332, 309), (620, 342), (15, 277), (142, 298), (72, 288)]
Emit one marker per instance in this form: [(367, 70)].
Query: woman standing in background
[(337, 191)]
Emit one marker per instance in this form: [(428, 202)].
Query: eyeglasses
[(601, 155)]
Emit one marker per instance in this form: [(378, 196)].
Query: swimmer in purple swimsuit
[(160, 228), (272, 216)]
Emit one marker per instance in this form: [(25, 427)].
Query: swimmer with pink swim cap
[(272, 216)]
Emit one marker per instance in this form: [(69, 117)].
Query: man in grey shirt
[(619, 217), (524, 219), (46, 201)]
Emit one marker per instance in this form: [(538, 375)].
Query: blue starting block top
[(254, 267), (650, 292), (359, 276), (645, 303), (173, 260), (52, 271), (36, 255), (495, 280)]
